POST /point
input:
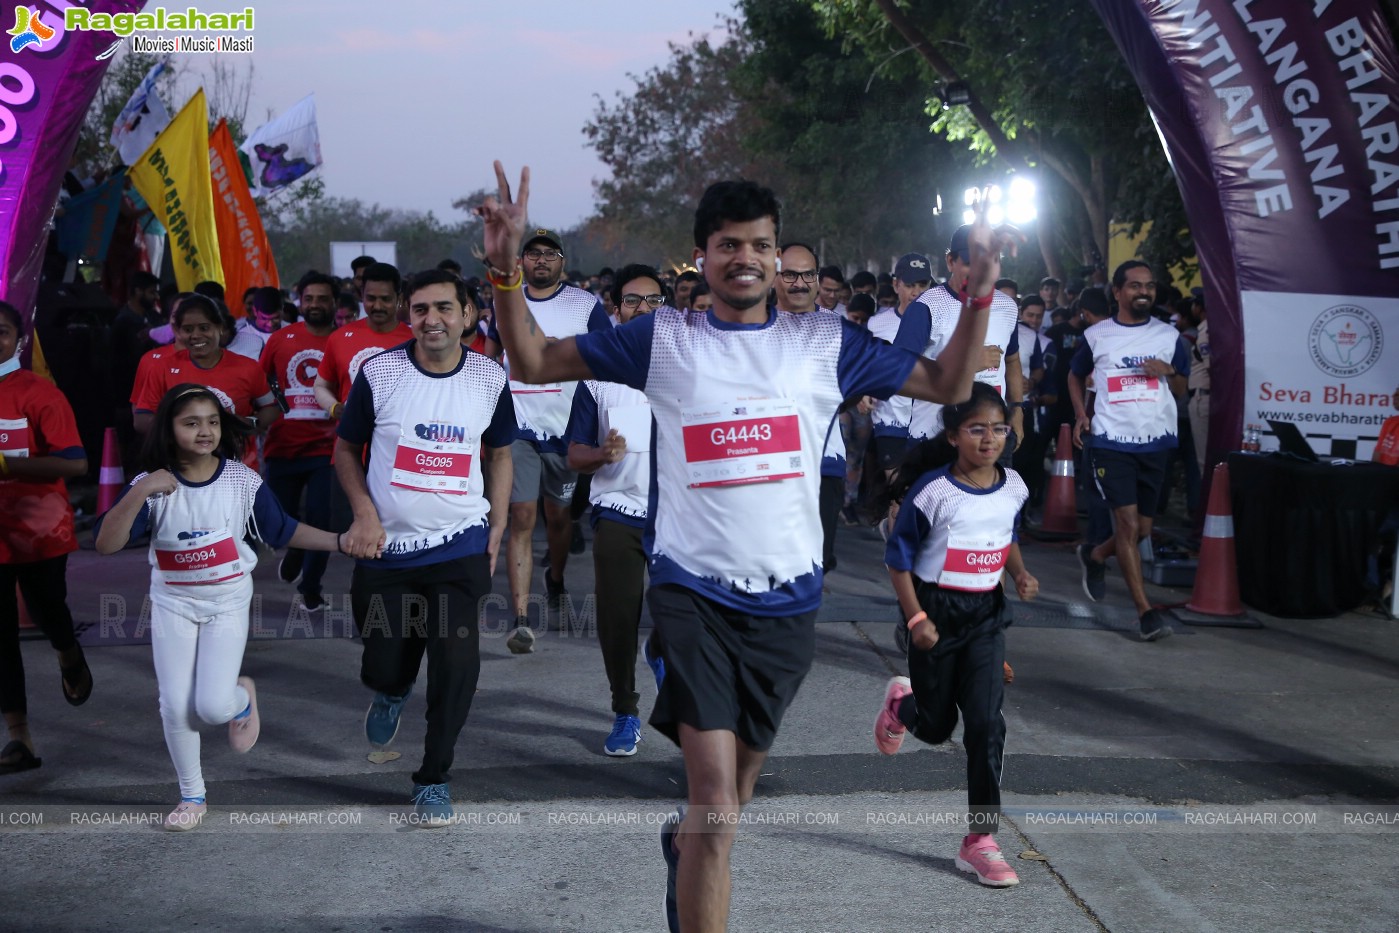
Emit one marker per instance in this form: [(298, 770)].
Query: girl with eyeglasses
[(951, 542)]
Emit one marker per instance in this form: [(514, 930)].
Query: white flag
[(142, 119), (286, 149)]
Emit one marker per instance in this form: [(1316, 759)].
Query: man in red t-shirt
[(1387, 448), (298, 448), (348, 348)]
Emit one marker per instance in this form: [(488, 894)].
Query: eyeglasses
[(790, 278), (979, 430), (534, 255), (631, 301)]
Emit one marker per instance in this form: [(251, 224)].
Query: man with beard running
[(1140, 366), (540, 454), (347, 349), (299, 444)]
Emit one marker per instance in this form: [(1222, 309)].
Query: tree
[(678, 131), (846, 148), (1047, 90)]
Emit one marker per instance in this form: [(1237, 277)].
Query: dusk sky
[(414, 100)]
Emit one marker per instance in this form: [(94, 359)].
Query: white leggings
[(197, 638)]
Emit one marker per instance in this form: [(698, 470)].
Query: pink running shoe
[(983, 858), (888, 731), (242, 733)]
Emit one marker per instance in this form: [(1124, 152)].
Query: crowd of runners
[(717, 426)]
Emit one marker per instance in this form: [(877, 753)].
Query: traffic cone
[(1216, 590), (1060, 519), (110, 479)]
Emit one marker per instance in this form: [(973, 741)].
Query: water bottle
[(1255, 439), (1246, 445)]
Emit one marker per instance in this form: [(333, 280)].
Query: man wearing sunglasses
[(539, 453)]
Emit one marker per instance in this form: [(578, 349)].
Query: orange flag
[(247, 257)]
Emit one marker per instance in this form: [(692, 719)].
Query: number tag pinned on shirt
[(749, 441), (211, 558), (14, 437), (1132, 385), (304, 407), (974, 564), (432, 466)]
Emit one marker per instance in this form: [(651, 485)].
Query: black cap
[(541, 235), (1049, 280), (913, 267)]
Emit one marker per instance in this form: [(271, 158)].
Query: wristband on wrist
[(918, 617), (340, 542), (4, 466), (978, 304), (337, 409), (503, 282)]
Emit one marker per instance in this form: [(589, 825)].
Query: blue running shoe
[(654, 661), (432, 804), (381, 721), (672, 867), (626, 732)]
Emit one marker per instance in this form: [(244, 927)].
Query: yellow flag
[(173, 176)]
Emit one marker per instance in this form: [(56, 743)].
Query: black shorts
[(889, 451), (1125, 479), (725, 669)]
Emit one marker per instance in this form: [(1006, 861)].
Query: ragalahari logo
[(29, 30)]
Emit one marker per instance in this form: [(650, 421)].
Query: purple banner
[(1281, 122), (48, 77)]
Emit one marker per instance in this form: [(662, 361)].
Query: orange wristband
[(919, 617)]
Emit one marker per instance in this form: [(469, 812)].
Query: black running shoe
[(1095, 584), (289, 569), (1154, 625)]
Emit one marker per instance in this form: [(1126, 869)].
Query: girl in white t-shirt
[(951, 542), (199, 504)]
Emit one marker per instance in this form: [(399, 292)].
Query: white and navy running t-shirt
[(425, 432), (1133, 412), (198, 531), (541, 411), (890, 417), (928, 324), (741, 415), (956, 535), (619, 491)]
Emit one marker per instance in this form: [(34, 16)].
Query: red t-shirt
[(238, 382), (291, 358), (149, 363), (36, 520), (1387, 448), (348, 348)]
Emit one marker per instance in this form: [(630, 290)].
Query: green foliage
[(845, 146), (1057, 86)]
